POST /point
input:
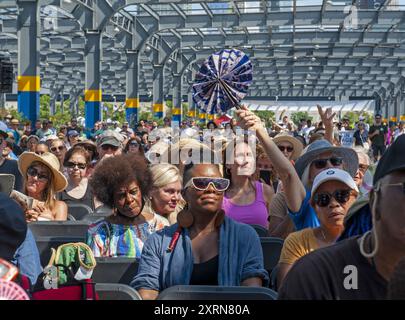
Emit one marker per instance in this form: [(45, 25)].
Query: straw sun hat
[(49, 160), (297, 145)]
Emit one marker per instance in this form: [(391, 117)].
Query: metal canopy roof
[(305, 48)]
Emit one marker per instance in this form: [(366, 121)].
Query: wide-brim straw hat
[(349, 155), (297, 145), (90, 145), (48, 159)]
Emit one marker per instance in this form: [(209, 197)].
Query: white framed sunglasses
[(202, 183)]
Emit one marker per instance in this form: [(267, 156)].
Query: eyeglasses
[(283, 148), (202, 183), (321, 163), (72, 165), (32, 172), (363, 168), (323, 199), (60, 148), (106, 147), (134, 144)]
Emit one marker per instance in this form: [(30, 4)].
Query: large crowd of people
[(185, 199)]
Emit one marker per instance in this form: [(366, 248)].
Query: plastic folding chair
[(116, 291), (103, 211), (115, 270), (271, 252), (261, 231), (78, 211), (59, 228), (217, 293)]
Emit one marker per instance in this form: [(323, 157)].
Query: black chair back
[(271, 252), (78, 211), (116, 291), (59, 228), (217, 293), (115, 270)]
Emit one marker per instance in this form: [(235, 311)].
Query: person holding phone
[(42, 180)]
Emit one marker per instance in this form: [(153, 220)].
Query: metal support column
[(157, 100), (62, 100), (52, 100), (132, 97), (2, 100), (92, 93), (192, 112), (28, 33), (73, 102), (402, 107), (177, 95)]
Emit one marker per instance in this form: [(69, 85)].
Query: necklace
[(323, 234)]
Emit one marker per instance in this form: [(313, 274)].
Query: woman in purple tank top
[(245, 200)]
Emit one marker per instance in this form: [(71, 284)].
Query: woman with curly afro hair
[(122, 182)]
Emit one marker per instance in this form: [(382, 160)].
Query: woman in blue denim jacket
[(204, 247)]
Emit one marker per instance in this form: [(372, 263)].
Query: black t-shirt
[(11, 167), (321, 275), (378, 140)]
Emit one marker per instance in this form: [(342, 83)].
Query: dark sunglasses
[(202, 183), (106, 147), (289, 149), (323, 199), (363, 168), (81, 166), (60, 148), (134, 144), (321, 163), (32, 172)]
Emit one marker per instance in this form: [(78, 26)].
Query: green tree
[(353, 117), (267, 116), (297, 116)]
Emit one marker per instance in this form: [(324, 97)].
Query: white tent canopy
[(310, 106)]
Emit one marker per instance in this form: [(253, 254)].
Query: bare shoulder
[(60, 204)]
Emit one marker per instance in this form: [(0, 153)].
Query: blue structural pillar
[(92, 93), (132, 98), (192, 112), (176, 111), (157, 102), (28, 29)]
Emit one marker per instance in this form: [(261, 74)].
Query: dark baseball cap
[(392, 160)]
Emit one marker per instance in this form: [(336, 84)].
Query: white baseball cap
[(336, 175)]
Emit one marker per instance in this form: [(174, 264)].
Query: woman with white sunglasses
[(205, 247)]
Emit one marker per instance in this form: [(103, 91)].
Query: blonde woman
[(165, 195), (42, 180)]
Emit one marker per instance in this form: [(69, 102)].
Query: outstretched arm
[(327, 120), (293, 188)]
